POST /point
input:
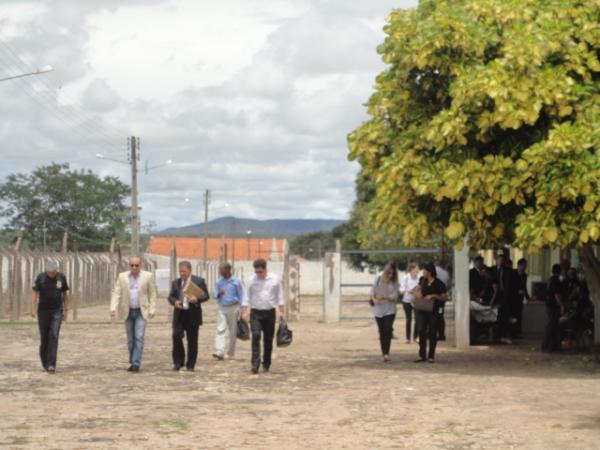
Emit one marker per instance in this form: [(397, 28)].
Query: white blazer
[(147, 295)]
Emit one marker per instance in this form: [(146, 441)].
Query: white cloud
[(252, 99)]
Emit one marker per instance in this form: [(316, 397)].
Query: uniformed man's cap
[(51, 266)]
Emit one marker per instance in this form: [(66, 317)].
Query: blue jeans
[(135, 327), (49, 324)]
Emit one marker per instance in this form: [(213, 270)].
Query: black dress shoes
[(254, 370), (133, 368)]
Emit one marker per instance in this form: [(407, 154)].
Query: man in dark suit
[(476, 278), (187, 316), (503, 280), (523, 295)]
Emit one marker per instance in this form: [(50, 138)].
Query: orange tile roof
[(193, 247)]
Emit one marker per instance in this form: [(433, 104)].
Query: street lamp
[(135, 235), (44, 69)]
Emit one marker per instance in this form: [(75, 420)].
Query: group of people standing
[(423, 294), (134, 298), (502, 287)]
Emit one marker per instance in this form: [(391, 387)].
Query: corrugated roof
[(193, 247)]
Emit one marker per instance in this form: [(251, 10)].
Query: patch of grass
[(22, 426), (17, 324), (171, 426)]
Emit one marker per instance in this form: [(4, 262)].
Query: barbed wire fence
[(90, 276)]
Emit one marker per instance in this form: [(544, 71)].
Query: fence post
[(332, 278), (461, 297), (75, 287)]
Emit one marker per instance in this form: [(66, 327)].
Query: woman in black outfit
[(555, 307), (433, 290)]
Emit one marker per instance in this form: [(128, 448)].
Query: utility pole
[(134, 156), (206, 202), (44, 230)]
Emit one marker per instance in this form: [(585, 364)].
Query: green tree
[(486, 123), (90, 208)]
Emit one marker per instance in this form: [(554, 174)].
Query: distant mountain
[(259, 228)]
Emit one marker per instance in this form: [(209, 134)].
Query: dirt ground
[(327, 390)]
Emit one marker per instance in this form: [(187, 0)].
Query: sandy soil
[(328, 390)]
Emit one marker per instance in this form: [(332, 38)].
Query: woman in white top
[(385, 294), (408, 287)]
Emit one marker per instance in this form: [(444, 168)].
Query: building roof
[(193, 247)]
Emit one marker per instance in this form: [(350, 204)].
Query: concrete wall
[(311, 274)]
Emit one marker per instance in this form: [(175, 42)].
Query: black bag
[(284, 334), (243, 331)]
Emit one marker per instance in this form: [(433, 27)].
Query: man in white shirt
[(263, 299)]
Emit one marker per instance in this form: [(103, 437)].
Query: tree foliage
[(486, 123), (90, 208)]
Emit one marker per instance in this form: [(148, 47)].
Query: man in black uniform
[(49, 303)]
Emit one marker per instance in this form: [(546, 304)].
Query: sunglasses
[(134, 265)]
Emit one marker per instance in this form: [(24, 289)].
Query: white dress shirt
[(264, 294), (443, 275), (134, 288), (408, 283)]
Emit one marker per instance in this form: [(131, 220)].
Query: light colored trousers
[(227, 318)]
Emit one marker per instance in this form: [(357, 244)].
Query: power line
[(58, 114), (82, 129), (118, 134)]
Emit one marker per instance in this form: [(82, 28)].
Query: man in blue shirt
[(229, 293)]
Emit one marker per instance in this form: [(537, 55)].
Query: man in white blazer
[(134, 297)]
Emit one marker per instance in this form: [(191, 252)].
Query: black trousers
[(262, 322), (427, 323), (190, 329), (503, 320), (517, 313), (408, 313), (49, 323), (441, 324), (385, 325), (552, 333)]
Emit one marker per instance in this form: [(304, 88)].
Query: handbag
[(420, 304), (243, 331), (284, 334)]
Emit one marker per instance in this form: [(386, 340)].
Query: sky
[(252, 99)]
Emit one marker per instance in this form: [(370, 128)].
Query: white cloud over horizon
[(251, 99)]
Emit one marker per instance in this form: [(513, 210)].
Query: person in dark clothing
[(187, 316), (554, 309), (502, 275), (476, 278), (488, 287), (49, 302), (523, 296), (431, 289)]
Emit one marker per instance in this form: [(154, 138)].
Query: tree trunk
[(591, 268)]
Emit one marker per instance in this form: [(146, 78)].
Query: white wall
[(311, 274)]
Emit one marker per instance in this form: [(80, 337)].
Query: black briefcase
[(243, 331), (284, 334)]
